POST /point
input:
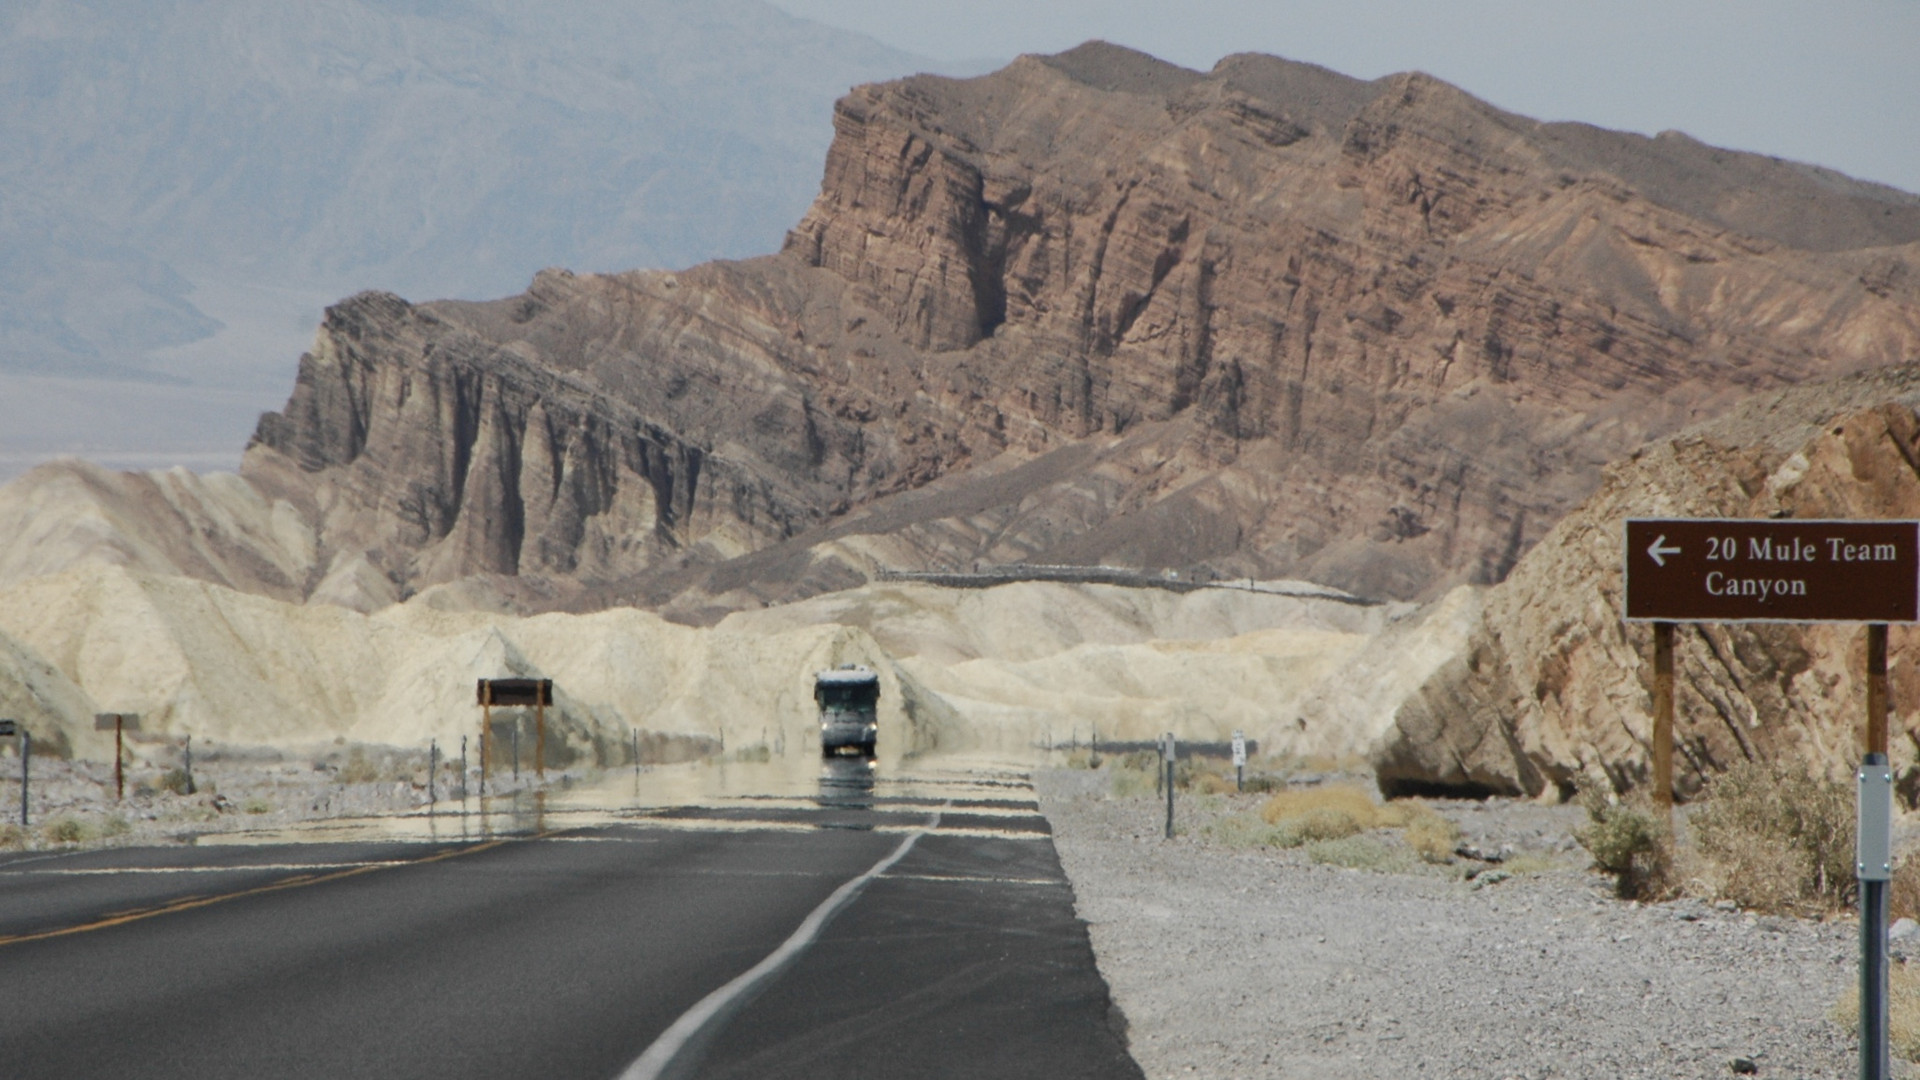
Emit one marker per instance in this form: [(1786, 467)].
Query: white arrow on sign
[(1657, 550)]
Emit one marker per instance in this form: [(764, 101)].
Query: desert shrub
[(1307, 815), (1431, 836), (1321, 823), (65, 830), (12, 836), (1530, 864), (1263, 784), (1903, 1012), (359, 768), (1631, 840), (258, 806), (1245, 830), (174, 780), (1361, 853), (1354, 802), (115, 825), (1777, 838), (1211, 783), (1130, 783), (1903, 892)]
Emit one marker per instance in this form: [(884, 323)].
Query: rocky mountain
[(1263, 321), (1539, 684)]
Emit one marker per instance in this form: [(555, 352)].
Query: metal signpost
[(535, 692), (1731, 570), (120, 722), (1239, 761), (1168, 748)]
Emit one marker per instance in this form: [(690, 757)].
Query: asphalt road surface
[(567, 953)]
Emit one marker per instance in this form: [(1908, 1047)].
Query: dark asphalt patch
[(953, 964)]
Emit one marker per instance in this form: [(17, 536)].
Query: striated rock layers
[(1264, 321), (1549, 685)]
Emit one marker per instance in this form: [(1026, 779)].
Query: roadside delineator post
[(1239, 761), (433, 767), (192, 789)]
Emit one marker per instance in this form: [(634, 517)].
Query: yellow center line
[(210, 868), (188, 903)]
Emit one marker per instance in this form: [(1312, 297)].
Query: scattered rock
[(1490, 877)]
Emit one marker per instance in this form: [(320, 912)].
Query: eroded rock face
[(1267, 320), (1552, 686)]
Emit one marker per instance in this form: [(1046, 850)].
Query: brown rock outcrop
[(1095, 308), (1552, 686)]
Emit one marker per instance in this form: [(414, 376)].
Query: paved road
[(561, 955)]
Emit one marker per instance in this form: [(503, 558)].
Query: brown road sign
[(107, 721), (1732, 570), (515, 692)]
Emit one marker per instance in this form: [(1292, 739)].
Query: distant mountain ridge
[(435, 148), (1092, 308)]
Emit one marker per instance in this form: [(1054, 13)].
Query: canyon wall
[(1263, 321)]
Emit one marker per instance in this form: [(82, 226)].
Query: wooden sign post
[(1782, 570), (120, 723)]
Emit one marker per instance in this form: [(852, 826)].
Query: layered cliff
[(1265, 321), (1547, 685)]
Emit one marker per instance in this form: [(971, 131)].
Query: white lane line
[(968, 879), (654, 1061)]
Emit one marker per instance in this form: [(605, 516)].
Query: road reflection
[(847, 782), (749, 792)]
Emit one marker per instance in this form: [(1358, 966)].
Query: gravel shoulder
[(1238, 962)]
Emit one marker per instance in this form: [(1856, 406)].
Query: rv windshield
[(857, 696)]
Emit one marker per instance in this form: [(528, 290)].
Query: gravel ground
[(1236, 962)]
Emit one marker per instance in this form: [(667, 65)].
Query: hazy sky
[(1834, 82)]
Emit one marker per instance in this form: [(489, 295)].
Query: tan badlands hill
[(1260, 321)]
